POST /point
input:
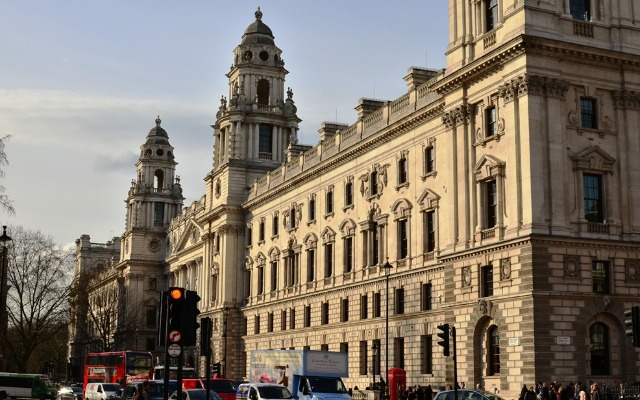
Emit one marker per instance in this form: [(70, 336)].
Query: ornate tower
[(155, 197), (258, 122)]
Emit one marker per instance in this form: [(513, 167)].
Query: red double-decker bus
[(117, 367)]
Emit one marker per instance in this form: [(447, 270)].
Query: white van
[(262, 391), (100, 391)]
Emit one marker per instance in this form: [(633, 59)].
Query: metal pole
[(386, 348), (4, 316), (455, 364), (225, 312)]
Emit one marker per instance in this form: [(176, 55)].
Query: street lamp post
[(4, 316), (373, 367), (387, 271), (225, 314)]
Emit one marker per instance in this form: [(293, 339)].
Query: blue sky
[(81, 83)]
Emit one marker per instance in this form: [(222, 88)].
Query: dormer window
[(580, 9)]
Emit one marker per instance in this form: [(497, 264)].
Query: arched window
[(493, 351), (599, 335), (159, 180), (263, 92)]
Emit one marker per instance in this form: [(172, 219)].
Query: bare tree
[(105, 315), (5, 203), (39, 274)]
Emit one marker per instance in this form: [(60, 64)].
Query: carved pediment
[(190, 234), (488, 166), (594, 158), (428, 199)]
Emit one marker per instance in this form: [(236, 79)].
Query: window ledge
[(402, 185), (328, 215), (311, 222), (348, 207), (428, 175), (483, 141)]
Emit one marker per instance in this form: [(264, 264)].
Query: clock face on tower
[(154, 245)]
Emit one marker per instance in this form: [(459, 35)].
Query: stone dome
[(157, 135), (258, 32)]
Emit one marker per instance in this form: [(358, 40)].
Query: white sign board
[(514, 341), (563, 340), (174, 350)]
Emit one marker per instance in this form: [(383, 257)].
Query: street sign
[(174, 336), (174, 350)]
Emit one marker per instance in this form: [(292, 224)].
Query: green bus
[(32, 386)]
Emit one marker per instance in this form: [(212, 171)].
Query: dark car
[(467, 394), (69, 393), (156, 390)]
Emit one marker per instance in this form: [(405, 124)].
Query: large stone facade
[(502, 191)]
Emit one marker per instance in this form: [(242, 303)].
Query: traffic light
[(175, 310), (444, 335), (190, 324), (206, 329), (632, 324)]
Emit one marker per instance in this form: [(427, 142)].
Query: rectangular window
[(398, 352), (312, 209), (152, 284), (265, 141), (403, 239), (270, 322), (429, 231), (256, 324), (325, 313), (492, 14), (249, 235), (364, 307), (311, 262), (328, 260), (592, 187), (260, 280), (588, 113), (348, 194), (348, 254), (274, 276), (376, 305), (292, 318), (492, 203), (399, 303), (344, 347), (344, 310), (283, 320), (274, 229), (429, 160), (363, 367), (307, 316), (373, 183), (487, 280), (580, 9), (490, 116), (158, 214), (329, 202), (426, 297), (600, 277), (426, 364), (261, 233), (375, 251), (402, 171)]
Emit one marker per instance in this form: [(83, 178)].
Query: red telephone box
[(397, 381)]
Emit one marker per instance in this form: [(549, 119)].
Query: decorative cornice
[(626, 99)]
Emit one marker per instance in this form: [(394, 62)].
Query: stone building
[(502, 192)]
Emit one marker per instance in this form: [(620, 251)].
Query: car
[(70, 393), (466, 394), (225, 388), (196, 394), (156, 390), (100, 391)]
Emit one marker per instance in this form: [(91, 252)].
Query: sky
[(81, 84)]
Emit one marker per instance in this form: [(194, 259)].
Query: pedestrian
[(428, 393), (523, 392), (530, 394), (595, 393)]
